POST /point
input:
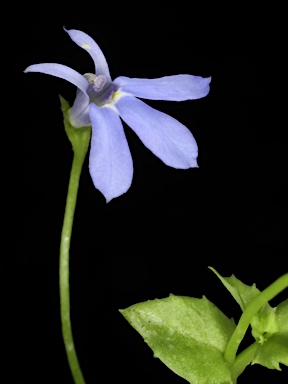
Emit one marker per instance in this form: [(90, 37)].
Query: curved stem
[(80, 139), (64, 268), (242, 360), (252, 308)]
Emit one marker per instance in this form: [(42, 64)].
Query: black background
[(161, 236)]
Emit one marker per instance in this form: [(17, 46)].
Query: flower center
[(100, 91)]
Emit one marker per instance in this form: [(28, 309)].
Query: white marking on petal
[(86, 46)]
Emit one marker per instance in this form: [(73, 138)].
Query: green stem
[(64, 269), (80, 139), (252, 308), (242, 360)]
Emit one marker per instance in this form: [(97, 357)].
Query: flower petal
[(110, 161), (79, 113), (173, 88), (166, 137), (86, 42), (61, 71)]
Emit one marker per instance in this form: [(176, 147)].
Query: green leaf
[(275, 349), (265, 323), (241, 292), (282, 315), (189, 335)]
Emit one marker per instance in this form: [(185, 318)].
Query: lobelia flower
[(100, 101)]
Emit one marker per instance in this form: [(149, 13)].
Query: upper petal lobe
[(86, 42), (62, 71)]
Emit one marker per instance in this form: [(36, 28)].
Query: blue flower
[(101, 102)]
